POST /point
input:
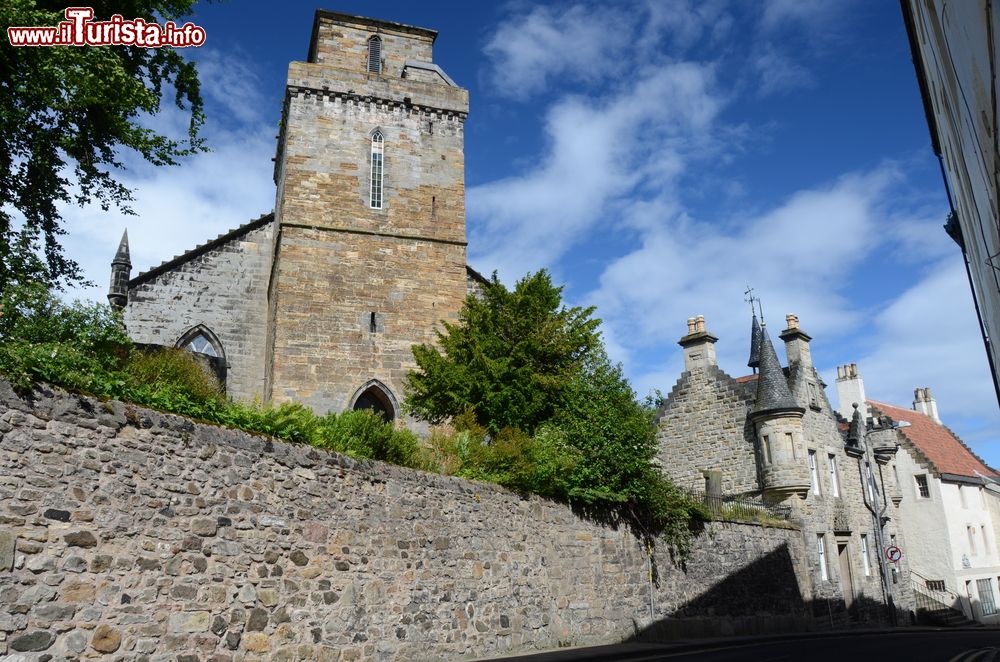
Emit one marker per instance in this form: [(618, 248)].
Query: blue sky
[(657, 157)]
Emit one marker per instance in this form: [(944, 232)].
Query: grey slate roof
[(772, 387), (200, 250)]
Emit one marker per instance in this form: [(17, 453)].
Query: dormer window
[(375, 55)]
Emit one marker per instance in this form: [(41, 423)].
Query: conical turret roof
[(772, 387), (754, 361), (122, 256)]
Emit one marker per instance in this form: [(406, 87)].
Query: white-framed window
[(986, 597), (378, 154), (813, 472), (923, 490), (865, 559), (870, 482), (375, 55), (824, 572), (834, 478)]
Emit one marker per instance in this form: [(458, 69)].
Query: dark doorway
[(374, 399)]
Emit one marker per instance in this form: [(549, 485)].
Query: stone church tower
[(370, 213), (365, 253)]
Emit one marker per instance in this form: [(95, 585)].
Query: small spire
[(121, 269), (855, 446), (755, 334), (772, 387), (122, 256)]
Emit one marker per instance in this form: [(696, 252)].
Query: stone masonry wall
[(338, 262), (136, 535), (701, 426), (841, 518), (224, 289)]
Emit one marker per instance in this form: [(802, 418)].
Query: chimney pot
[(792, 320)]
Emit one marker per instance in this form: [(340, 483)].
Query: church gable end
[(220, 286)]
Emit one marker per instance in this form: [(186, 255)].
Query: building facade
[(321, 301), (949, 503), (956, 52), (773, 434)]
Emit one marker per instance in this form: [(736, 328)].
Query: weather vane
[(751, 299)]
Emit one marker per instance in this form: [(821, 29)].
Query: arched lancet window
[(375, 55), (375, 397), (378, 151), (201, 339)]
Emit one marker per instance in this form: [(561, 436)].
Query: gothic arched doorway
[(375, 397)]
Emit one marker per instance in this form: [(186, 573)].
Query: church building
[(364, 254)]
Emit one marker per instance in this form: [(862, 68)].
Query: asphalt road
[(981, 645)]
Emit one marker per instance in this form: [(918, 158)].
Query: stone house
[(364, 254), (950, 503), (773, 435)]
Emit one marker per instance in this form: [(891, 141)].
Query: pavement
[(644, 650)]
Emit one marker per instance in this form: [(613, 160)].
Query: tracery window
[(200, 339), (378, 152)]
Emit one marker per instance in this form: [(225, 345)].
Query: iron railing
[(741, 507)]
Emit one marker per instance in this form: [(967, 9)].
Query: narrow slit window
[(375, 55), (372, 324), (378, 152), (824, 572)]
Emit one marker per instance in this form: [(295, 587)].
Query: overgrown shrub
[(366, 434)]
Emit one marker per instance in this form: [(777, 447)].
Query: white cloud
[(796, 256), (798, 13), (181, 206), (580, 42), (777, 72), (598, 151), (929, 336)]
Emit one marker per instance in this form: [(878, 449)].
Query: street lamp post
[(871, 494)]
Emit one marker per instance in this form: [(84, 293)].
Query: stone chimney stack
[(850, 389), (923, 401), (698, 344), (796, 343)]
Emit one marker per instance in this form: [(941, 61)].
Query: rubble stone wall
[(127, 534)]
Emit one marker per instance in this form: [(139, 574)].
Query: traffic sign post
[(893, 553)]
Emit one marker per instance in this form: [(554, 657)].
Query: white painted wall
[(936, 531)]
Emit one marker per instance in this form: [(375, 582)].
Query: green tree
[(66, 114), (564, 421), (510, 358)]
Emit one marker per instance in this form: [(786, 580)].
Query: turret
[(698, 344), (777, 421), (121, 269)]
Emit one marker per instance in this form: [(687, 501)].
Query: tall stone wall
[(144, 536), (224, 289), (355, 287), (701, 427)]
